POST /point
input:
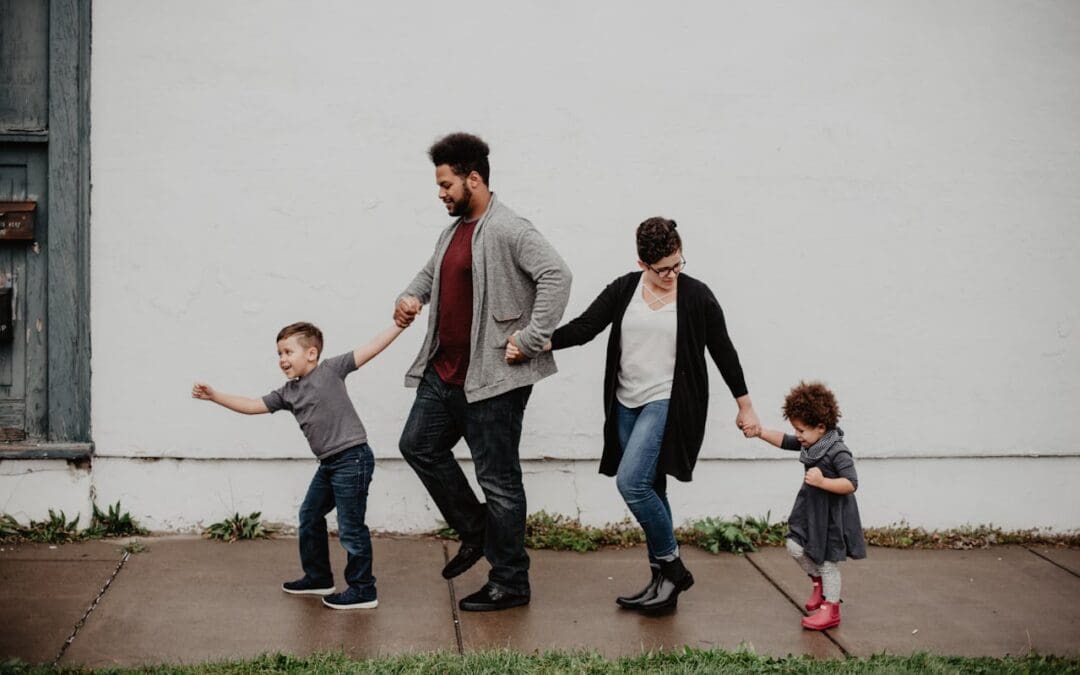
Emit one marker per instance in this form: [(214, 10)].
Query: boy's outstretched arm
[(380, 342), (240, 404)]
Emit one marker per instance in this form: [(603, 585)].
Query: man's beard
[(461, 207)]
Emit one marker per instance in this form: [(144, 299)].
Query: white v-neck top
[(647, 366)]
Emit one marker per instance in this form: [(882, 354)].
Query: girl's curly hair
[(656, 239), (812, 403)]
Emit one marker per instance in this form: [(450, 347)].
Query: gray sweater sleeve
[(537, 258), (790, 443), (844, 464)]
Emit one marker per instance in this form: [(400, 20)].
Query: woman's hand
[(747, 421)]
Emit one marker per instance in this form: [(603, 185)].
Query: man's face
[(453, 191)]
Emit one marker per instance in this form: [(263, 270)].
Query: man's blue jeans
[(341, 482), (439, 418), (641, 433)]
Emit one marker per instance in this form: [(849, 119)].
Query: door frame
[(67, 313)]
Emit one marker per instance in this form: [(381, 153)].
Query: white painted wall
[(882, 195)]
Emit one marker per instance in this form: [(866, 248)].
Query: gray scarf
[(812, 455)]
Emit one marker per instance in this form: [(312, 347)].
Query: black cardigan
[(700, 326)]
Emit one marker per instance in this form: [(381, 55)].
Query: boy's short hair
[(308, 335), (656, 239), (812, 403), (463, 153)]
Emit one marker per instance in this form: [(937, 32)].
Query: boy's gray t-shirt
[(322, 406)]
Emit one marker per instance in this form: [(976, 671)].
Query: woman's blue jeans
[(340, 482), (641, 433)]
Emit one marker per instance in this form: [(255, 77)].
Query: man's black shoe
[(489, 599), (466, 557)]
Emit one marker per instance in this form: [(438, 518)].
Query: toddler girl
[(824, 526)]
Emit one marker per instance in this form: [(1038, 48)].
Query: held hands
[(406, 310), (747, 421), (202, 391), (814, 477), (513, 352)]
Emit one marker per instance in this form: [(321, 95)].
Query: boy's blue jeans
[(439, 418), (341, 482), (641, 433)]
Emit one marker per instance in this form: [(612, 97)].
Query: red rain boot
[(815, 597), (826, 617)]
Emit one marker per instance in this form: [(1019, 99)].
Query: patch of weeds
[(9, 527), (113, 522), (55, 530), (134, 546), (239, 527), (561, 533), (903, 535), (741, 535)]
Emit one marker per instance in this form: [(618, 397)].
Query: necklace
[(657, 298)]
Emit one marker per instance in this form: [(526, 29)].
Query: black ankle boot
[(633, 601), (674, 579)]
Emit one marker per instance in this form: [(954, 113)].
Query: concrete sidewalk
[(187, 600)]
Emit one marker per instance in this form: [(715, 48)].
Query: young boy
[(315, 394)]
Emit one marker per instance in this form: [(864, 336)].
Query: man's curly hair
[(656, 239), (812, 403), (463, 153)]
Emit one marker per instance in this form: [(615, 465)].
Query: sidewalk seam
[(90, 609), (453, 605), (1052, 562), (795, 604)]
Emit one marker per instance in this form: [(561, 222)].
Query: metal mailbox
[(17, 220)]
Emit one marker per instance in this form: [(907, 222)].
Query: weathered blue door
[(44, 335)]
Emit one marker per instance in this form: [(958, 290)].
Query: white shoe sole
[(371, 604), (311, 591)]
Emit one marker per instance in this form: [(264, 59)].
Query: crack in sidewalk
[(90, 609), (453, 605), (1052, 562), (795, 604)]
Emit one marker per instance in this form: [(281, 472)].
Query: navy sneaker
[(305, 586), (352, 598)]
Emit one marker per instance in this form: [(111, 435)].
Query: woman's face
[(665, 271)]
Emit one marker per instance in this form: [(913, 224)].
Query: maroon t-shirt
[(455, 307)]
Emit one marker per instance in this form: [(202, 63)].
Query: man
[(492, 280)]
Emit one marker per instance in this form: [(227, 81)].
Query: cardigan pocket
[(506, 322)]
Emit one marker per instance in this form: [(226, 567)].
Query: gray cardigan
[(519, 283)]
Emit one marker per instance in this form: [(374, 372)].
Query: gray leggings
[(828, 571)]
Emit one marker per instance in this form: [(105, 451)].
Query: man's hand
[(202, 391), (814, 477), (747, 421), (513, 352), (407, 309)]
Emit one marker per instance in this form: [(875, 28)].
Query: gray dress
[(826, 524)]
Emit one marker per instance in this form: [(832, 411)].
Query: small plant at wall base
[(55, 530), (113, 523), (742, 535), (9, 528), (239, 527)]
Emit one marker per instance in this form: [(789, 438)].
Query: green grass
[(686, 661)]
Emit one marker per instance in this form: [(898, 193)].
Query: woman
[(656, 391)]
